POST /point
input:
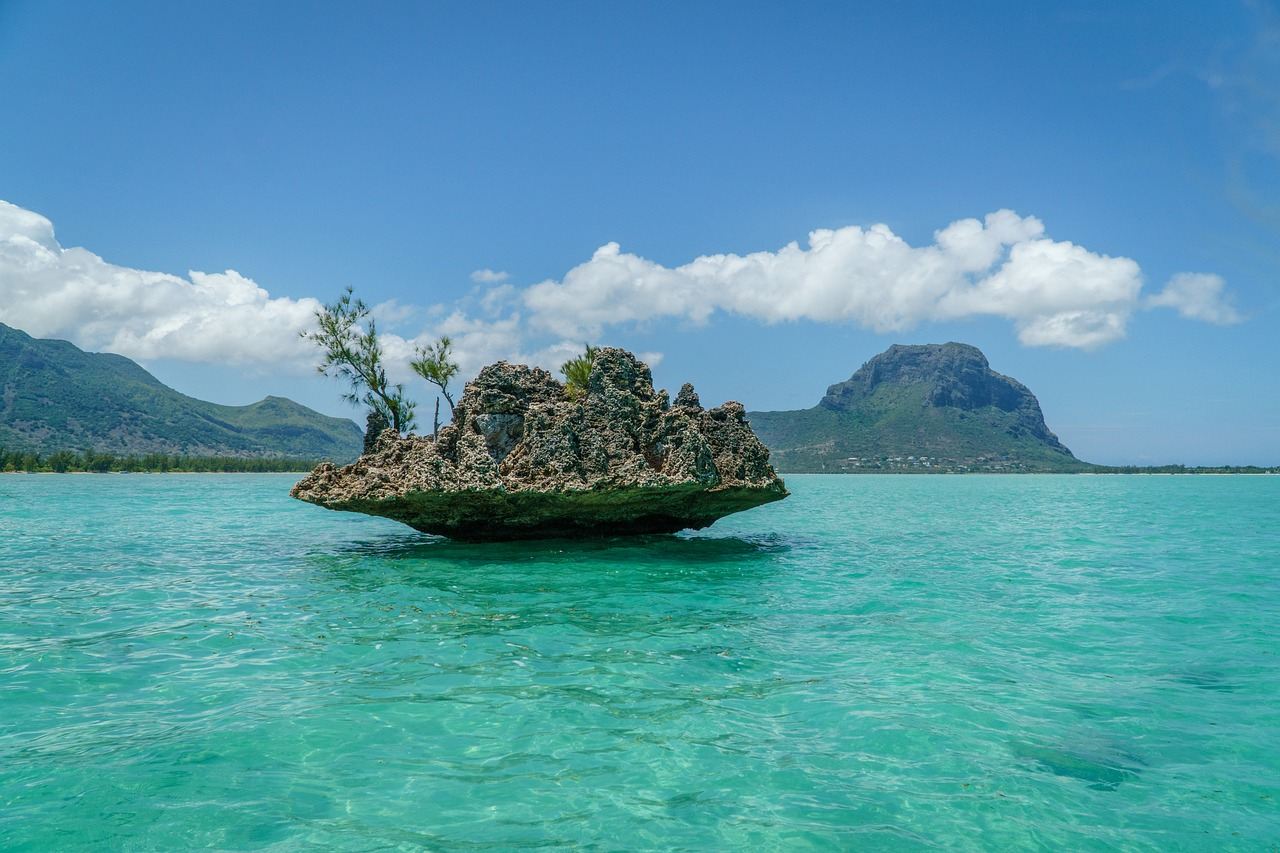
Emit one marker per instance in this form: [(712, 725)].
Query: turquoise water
[(879, 663)]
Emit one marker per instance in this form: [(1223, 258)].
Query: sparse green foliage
[(434, 363), (349, 338), (576, 371)]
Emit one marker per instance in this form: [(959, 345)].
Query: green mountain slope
[(54, 396), (937, 407)]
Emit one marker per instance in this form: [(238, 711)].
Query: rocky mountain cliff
[(918, 408), (55, 396)]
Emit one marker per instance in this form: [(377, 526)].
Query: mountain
[(936, 407), (54, 396)]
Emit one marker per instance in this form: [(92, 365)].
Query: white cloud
[(552, 356), (49, 291), (1198, 296), (477, 342), (495, 299), (488, 276), (1056, 293), (393, 312)]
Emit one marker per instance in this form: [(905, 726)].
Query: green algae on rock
[(522, 460)]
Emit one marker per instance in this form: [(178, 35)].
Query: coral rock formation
[(523, 460)]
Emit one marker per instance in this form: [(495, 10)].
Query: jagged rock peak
[(688, 397), (522, 458), (959, 371), (374, 425)]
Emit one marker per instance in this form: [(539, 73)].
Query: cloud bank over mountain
[(1055, 293), (50, 291)]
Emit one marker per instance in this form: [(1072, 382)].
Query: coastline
[(100, 473), (1154, 471)]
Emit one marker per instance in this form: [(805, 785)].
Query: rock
[(953, 375), (373, 427), (922, 408), (688, 397), (522, 460)]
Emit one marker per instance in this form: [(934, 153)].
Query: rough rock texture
[(522, 460), (373, 427)]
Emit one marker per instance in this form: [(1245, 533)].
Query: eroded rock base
[(497, 517)]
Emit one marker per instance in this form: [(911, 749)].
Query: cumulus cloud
[(477, 342), (50, 291), (1056, 293), (1198, 296), (393, 312), (495, 299), (488, 276)]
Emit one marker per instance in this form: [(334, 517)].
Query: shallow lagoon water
[(881, 663)]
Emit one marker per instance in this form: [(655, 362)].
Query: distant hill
[(936, 407), (54, 396)]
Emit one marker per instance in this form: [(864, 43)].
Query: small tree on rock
[(348, 337), (435, 364), (576, 371)]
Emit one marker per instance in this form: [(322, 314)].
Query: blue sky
[(400, 148)]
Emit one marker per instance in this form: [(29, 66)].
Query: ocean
[(876, 663)]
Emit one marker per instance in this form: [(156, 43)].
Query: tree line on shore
[(70, 461), (89, 461), (1184, 469)]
